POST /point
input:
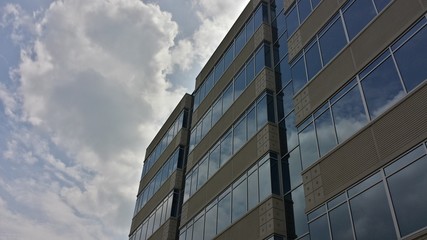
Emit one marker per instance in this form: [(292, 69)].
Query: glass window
[(229, 56), (203, 172), (261, 109), (308, 146), (253, 198), (357, 16), (407, 189), (373, 220), (194, 181), (198, 228), (189, 235), (281, 48), (211, 221), (224, 213), (239, 200), (312, 58), (293, 176), (294, 207), (259, 60), (286, 98), (239, 84), (292, 20), (226, 148), (384, 77), (239, 134), (158, 216), (150, 225), (216, 111), (340, 223), (187, 188), (319, 229), (250, 71), (314, 3), (283, 73), (250, 28), (316, 213), (199, 133), (251, 123), (143, 231), (332, 41), (411, 60), (219, 69), (240, 41), (405, 160), (227, 98), (304, 9), (291, 131), (264, 180), (207, 121), (380, 4), (349, 114), (258, 17), (298, 74), (370, 181), (325, 132), (280, 24), (214, 160), (209, 83)]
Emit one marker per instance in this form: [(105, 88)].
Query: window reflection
[(319, 229), (340, 223), (308, 146), (358, 15), (296, 220)]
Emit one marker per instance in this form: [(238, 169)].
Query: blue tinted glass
[(259, 60), (209, 83), (206, 123), (194, 181), (287, 99), (250, 71), (224, 213), (261, 110), (239, 84), (219, 69), (251, 122), (216, 111), (240, 203), (203, 172), (405, 160), (227, 98), (293, 164), (380, 4), (211, 221), (332, 41), (239, 135), (226, 148), (198, 228), (196, 100), (304, 9), (349, 114), (314, 3), (408, 198), (240, 41), (312, 59), (214, 161), (280, 25), (264, 180), (292, 21), (283, 72), (278, 5), (295, 207), (249, 28), (325, 133), (411, 60), (291, 131), (229, 56), (373, 220), (364, 184), (298, 75), (319, 229), (308, 146), (358, 15), (340, 223), (258, 18), (281, 48), (253, 197), (384, 77)]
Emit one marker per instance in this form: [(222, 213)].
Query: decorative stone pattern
[(264, 80), (313, 189), (302, 105), (267, 139), (294, 45), (271, 217)]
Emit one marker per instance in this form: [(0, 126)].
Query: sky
[(84, 88)]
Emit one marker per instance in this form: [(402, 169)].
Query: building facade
[(309, 121)]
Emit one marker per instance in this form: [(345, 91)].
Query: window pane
[(261, 110), (332, 41), (251, 123), (158, 216), (240, 41), (211, 221), (217, 111), (409, 157), (319, 229), (194, 181), (219, 69), (411, 60), (209, 83), (258, 18), (249, 28), (308, 146), (239, 200), (229, 56), (226, 148), (296, 220), (214, 160), (312, 58), (340, 223), (299, 79), (259, 60), (239, 135), (381, 4), (407, 189), (206, 123), (373, 220), (291, 131), (264, 180), (358, 15), (349, 114), (187, 187), (384, 77), (203, 172), (227, 98), (280, 25), (224, 213), (304, 9), (239, 84), (325, 133), (189, 235), (198, 228), (283, 73), (253, 198), (250, 71), (293, 167), (292, 21)]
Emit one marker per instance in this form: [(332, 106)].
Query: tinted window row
[(298, 12), (174, 162), (259, 16), (250, 70), (156, 219), (337, 33), (243, 195), (179, 123), (254, 118), (394, 196), (360, 101)]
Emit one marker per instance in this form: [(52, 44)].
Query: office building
[(309, 121)]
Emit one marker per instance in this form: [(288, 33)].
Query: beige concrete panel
[(186, 102), (288, 3), (326, 83), (241, 20), (389, 25), (245, 228), (424, 3), (180, 139), (166, 231)]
